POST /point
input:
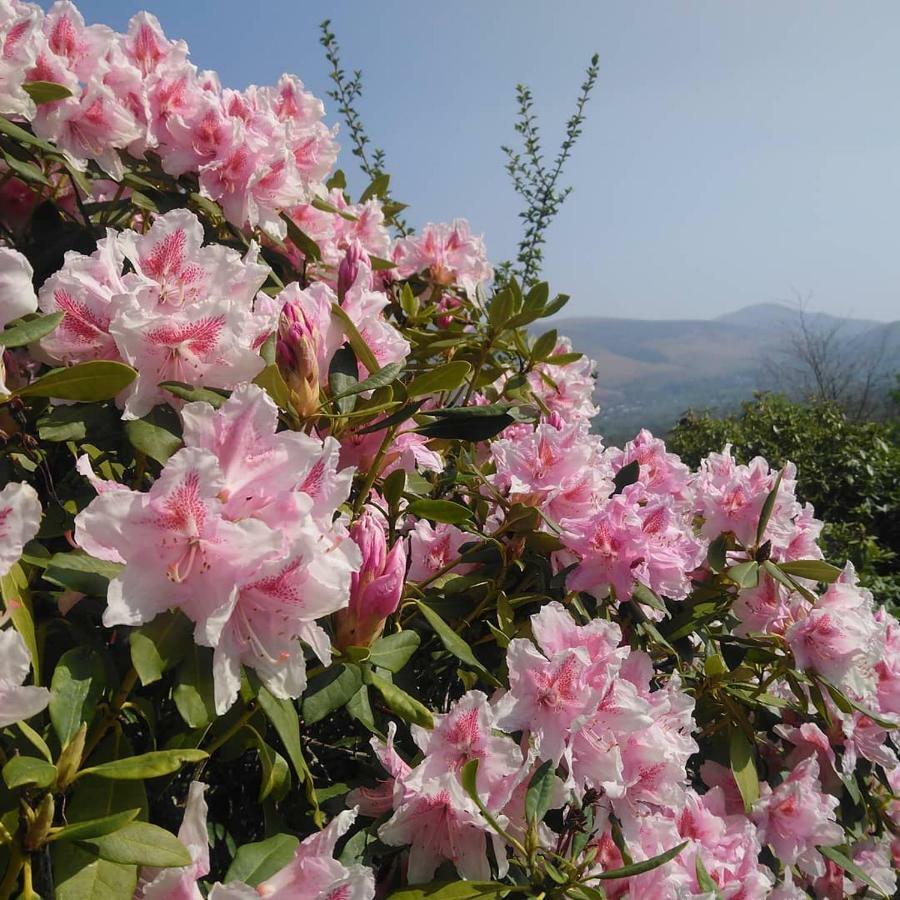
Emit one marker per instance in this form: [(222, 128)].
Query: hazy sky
[(734, 151)]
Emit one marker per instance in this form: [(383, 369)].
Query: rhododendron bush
[(316, 582)]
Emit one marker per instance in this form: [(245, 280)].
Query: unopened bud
[(376, 589), (69, 761), (295, 354), (348, 270)]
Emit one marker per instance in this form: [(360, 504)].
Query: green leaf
[(716, 556), (382, 377), (88, 382), (474, 427), (30, 330), (745, 574), (846, 705), (151, 436), (194, 692), (254, 863), (301, 240), (640, 593), (276, 776), (357, 342), (194, 394), (78, 682), (539, 795), (79, 874), (813, 569), (743, 767), (704, 879), (27, 770), (35, 740), (92, 828), (26, 137), (146, 765), (393, 651), (336, 693), (283, 716), (343, 374), (440, 511), (160, 645), (79, 572), (627, 475), (272, 382), (27, 171), (96, 798), (767, 508), (455, 890), (17, 601), (545, 345), (46, 91), (645, 865), (378, 187), (454, 643), (850, 867), (444, 378), (142, 844), (408, 708)]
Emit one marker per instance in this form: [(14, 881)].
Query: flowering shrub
[(316, 582)]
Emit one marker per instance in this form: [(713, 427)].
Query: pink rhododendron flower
[(796, 817), (625, 541), (839, 638), (464, 733), (20, 518), (566, 390), (18, 702), (660, 473), (19, 44), (433, 548), (438, 821), (557, 467), (450, 253), (17, 296), (549, 697), (87, 289)]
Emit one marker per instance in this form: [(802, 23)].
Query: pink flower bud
[(348, 270), (447, 303), (375, 589), (295, 354)]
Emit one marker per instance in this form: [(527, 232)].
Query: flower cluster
[(238, 532), (257, 152), (321, 515)]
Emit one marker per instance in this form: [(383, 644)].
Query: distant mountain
[(652, 371)]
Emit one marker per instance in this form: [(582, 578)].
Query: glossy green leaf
[(443, 378), (194, 394), (142, 844), (813, 569), (627, 475), (440, 511), (87, 382), (92, 828), (30, 330), (28, 770), (539, 795), (194, 692), (645, 865), (321, 702), (77, 685), (146, 765), (160, 645), (743, 766), (79, 572), (406, 707), (254, 863), (393, 651), (851, 868), (46, 91), (453, 642), (455, 890), (79, 874), (151, 436)]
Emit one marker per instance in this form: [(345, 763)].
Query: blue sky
[(734, 152)]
